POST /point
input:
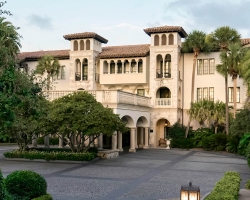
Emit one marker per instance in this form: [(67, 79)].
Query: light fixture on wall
[(190, 192)]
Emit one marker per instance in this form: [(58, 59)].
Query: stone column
[(90, 139), (136, 135), (114, 141), (34, 140), (100, 141), (123, 68), (120, 141), (132, 140), (46, 141), (108, 68), (146, 138), (116, 67), (141, 137), (60, 141), (80, 70)]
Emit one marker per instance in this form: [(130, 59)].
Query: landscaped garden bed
[(51, 155)]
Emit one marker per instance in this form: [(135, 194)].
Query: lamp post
[(190, 192)]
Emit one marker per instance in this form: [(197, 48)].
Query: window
[(231, 94), (119, 68), (211, 66), (199, 94), (205, 93), (140, 68), (199, 67), (141, 92), (211, 94), (112, 68), (60, 74), (205, 66)]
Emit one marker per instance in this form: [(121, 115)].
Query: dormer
[(85, 41), (166, 35)]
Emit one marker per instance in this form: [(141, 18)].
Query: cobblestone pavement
[(150, 174)]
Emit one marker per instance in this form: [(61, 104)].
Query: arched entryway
[(141, 138), (162, 130)]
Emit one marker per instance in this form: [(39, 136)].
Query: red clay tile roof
[(85, 35), (125, 51), (245, 41), (35, 55), (166, 29)]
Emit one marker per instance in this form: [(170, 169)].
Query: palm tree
[(218, 116), (50, 65), (9, 42), (220, 39), (195, 42), (245, 70), (201, 111)]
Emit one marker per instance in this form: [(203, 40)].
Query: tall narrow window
[(156, 40), (199, 67), (87, 45), (171, 39), (140, 68), (112, 68), (81, 45), (85, 70), (238, 95), (211, 94), (230, 94), (163, 40), (167, 66), (119, 68), (205, 93), (75, 45), (199, 94), (211, 66), (63, 72), (141, 92), (205, 66)]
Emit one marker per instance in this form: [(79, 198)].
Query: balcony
[(163, 75), (106, 97), (77, 76), (163, 102)]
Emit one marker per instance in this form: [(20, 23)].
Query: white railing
[(105, 96), (163, 101)]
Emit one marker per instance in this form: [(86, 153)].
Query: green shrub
[(215, 142), (247, 153), (1, 185), (227, 188), (247, 185), (50, 149), (183, 143), (232, 143), (50, 155), (200, 134), (26, 184), (244, 141), (177, 131), (40, 140), (44, 197)]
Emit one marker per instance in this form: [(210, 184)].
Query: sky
[(44, 22)]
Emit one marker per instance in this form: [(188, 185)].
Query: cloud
[(121, 25), (40, 22), (208, 15)]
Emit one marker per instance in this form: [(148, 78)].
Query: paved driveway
[(150, 174)]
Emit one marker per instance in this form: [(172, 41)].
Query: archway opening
[(162, 131)]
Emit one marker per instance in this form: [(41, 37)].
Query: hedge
[(1, 185), (183, 143), (227, 188), (50, 155)]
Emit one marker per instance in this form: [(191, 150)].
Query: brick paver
[(150, 174)]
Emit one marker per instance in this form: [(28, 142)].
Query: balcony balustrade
[(106, 96), (163, 102)]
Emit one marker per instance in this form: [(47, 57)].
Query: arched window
[(75, 45), (163, 40), (156, 40), (81, 45), (112, 67), (159, 66), (163, 96), (87, 45), (171, 39), (133, 66), (167, 66), (77, 70), (119, 67), (105, 67), (85, 69), (126, 67)]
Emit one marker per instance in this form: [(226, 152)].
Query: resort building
[(148, 85)]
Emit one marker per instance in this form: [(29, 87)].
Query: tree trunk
[(226, 94), (48, 81), (215, 129), (192, 89), (235, 94)]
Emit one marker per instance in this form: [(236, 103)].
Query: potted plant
[(168, 142)]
